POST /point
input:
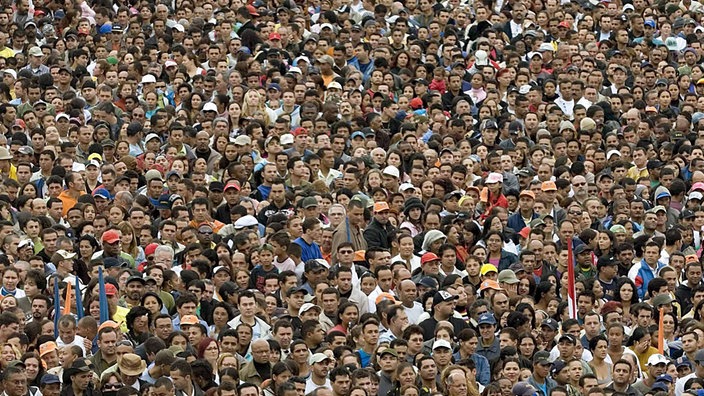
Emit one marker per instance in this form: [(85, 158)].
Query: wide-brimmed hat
[(131, 365)]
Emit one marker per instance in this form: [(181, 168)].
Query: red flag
[(571, 292)]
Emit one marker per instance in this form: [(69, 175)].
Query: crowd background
[(366, 198)]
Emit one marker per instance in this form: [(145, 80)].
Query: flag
[(57, 306), (571, 292), (67, 301), (79, 300), (104, 314), (661, 332)]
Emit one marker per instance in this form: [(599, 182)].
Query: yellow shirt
[(121, 318), (635, 173)]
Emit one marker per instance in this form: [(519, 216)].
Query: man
[(388, 361), (278, 203), (442, 354), (488, 341), (648, 268), (75, 187), (397, 320), (311, 233), (456, 383), (319, 363), (377, 233), (246, 302), (182, 376), (106, 356), (78, 377), (443, 309), (657, 365), (540, 379), (259, 369), (521, 219), (14, 381), (621, 375), (350, 230), (50, 385), (340, 380)]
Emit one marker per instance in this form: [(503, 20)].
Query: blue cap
[(650, 23), (659, 386), (105, 29), (245, 50), (101, 192), (49, 379), (664, 378), (274, 86), (357, 133), (487, 318)]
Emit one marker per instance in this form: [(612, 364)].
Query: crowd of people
[(365, 198)]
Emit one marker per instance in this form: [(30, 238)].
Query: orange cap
[(46, 348), (359, 255), (385, 296), (692, 258), (189, 320), (109, 323), (380, 207), (527, 193), (548, 186), (490, 284)]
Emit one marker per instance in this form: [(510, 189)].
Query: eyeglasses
[(346, 251), (117, 385), (576, 213)]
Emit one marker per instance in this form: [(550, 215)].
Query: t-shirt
[(258, 275)]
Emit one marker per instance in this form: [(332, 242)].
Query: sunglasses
[(113, 386)]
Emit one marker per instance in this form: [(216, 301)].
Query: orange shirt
[(68, 200)]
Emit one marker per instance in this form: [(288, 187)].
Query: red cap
[(252, 10), (525, 232), (300, 131), (20, 123), (416, 103), (231, 185), (39, 13), (111, 236), (428, 257), (564, 24), (274, 36), (110, 289), (150, 249)]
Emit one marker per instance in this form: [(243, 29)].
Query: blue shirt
[(309, 251)]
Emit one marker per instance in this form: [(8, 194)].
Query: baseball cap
[(656, 359), (486, 318), (542, 358), (443, 296), (111, 236), (486, 268)]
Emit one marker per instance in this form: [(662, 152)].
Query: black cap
[(687, 214), (605, 261), (216, 186)]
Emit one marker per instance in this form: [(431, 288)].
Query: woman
[(152, 302), (347, 314), (129, 243), (280, 373), (209, 350), (221, 314), (33, 368), (179, 339), (110, 384), (604, 244), (601, 369), (670, 330), (511, 370), (640, 344), (413, 210), (626, 294), (405, 376), (10, 279), (527, 346), (8, 354), (496, 254), (138, 319)]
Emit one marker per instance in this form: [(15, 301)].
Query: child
[(438, 83), (266, 266), (281, 242)]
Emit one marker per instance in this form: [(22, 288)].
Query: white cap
[(148, 78), (152, 136), (306, 307), (93, 163), (170, 63), (286, 139), (391, 171), (335, 85), (210, 106), (243, 140), (696, 195), (441, 344), (494, 178), (405, 187), (611, 153), (78, 167), (66, 255), (546, 47), (179, 27), (656, 359), (62, 115), (245, 221), (295, 69), (327, 25), (11, 72)]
